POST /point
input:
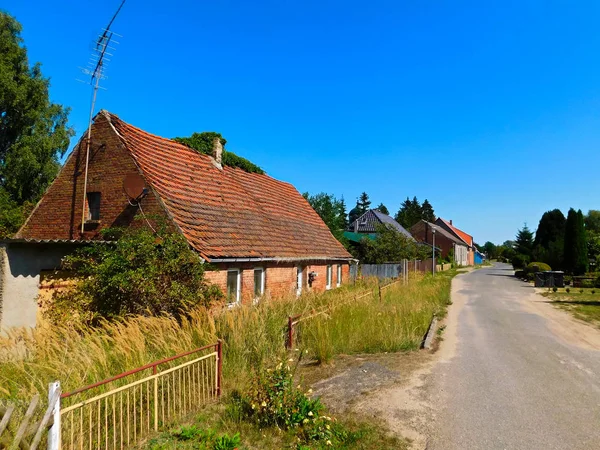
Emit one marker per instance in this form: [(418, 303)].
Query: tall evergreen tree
[(524, 242), (548, 245), (354, 214), (575, 250), (363, 202), (343, 213), (382, 208), (427, 212), (410, 212)]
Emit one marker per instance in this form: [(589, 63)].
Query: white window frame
[(262, 282), (238, 294), (329, 276), (338, 281), (299, 280)]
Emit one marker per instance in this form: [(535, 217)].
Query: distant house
[(444, 240), (260, 233), (466, 238), (366, 226), (479, 257)]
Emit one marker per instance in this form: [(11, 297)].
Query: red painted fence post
[(219, 366)]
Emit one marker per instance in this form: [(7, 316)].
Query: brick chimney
[(217, 150)]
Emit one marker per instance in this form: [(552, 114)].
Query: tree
[(548, 245), (140, 273), (33, 131), (382, 208), (490, 250), (203, 143), (410, 212), (363, 202), (331, 210), (592, 228), (390, 245), (524, 242), (427, 212), (354, 213), (575, 249)]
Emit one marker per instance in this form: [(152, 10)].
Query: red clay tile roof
[(228, 213), (464, 236)]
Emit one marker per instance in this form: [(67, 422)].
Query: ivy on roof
[(203, 143)]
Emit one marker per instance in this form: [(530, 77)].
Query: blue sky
[(488, 109)]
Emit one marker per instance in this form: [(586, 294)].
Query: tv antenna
[(96, 70)]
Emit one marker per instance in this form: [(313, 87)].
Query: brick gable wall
[(58, 214)]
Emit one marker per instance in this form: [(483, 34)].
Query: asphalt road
[(512, 383)]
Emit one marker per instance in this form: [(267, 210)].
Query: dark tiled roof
[(368, 221), (228, 213)]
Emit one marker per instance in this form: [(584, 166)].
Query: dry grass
[(253, 336)]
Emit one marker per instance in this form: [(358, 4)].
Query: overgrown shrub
[(520, 261), (537, 267), (140, 273), (554, 289), (567, 290)]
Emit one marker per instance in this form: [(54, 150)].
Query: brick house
[(259, 233), (445, 241), (464, 237)]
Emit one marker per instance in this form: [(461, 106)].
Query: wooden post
[(219, 366), (290, 336), (54, 432), (154, 372)]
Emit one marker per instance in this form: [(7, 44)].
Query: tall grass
[(252, 335)]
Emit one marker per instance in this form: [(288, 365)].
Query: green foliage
[(33, 131), (140, 273), (520, 261), (390, 245), (524, 242), (331, 210), (567, 290), (411, 211), (274, 401), (12, 215), (554, 289), (548, 245), (576, 248), (203, 143), (382, 208), (490, 250), (533, 267), (198, 437), (363, 204)]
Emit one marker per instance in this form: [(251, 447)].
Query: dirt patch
[(563, 324)]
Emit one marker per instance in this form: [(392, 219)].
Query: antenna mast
[(96, 72)]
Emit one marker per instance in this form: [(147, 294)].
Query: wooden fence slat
[(38, 436), (21, 431), (7, 414)]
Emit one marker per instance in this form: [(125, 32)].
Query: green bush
[(568, 290), (554, 289), (537, 267), (597, 282), (520, 261), (142, 273)]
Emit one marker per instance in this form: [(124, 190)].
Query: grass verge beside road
[(583, 303)]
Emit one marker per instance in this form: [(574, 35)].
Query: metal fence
[(121, 416)]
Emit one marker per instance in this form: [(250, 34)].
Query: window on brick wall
[(259, 282), (339, 275), (329, 272), (93, 206), (233, 286)]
